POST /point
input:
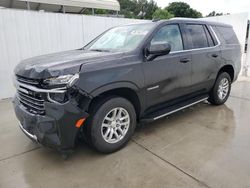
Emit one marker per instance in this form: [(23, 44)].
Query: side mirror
[(156, 50)]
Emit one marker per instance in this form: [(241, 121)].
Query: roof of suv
[(181, 20), (193, 20)]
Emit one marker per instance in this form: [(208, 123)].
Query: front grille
[(31, 100), (28, 81)]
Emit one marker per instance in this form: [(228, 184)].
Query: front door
[(168, 77)]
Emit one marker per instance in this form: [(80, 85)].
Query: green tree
[(162, 14), (181, 9), (213, 13), (101, 11), (128, 8), (140, 9), (146, 9)]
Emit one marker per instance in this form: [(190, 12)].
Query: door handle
[(214, 55), (185, 60)]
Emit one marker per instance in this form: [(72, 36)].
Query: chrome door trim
[(196, 49), (152, 88)]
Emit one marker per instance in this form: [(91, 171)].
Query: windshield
[(124, 38)]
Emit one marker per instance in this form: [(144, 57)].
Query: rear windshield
[(226, 34)]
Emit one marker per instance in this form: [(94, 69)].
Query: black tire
[(214, 97), (94, 124)]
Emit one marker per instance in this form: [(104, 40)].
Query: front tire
[(111, 124), (221, 90)]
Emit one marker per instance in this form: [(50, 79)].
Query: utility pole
[(28, 5), (64, 10)]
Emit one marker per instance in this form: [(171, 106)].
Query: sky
[(207, 6)]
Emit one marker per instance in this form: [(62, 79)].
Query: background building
[(65, 6)]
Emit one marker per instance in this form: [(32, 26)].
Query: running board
[(172, 109)]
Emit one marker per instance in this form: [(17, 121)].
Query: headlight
[(65, 80)]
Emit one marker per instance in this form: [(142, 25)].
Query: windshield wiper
[(100, 50)]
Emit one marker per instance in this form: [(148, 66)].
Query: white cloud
[(207, 6)]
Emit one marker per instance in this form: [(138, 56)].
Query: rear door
[(206, 56)]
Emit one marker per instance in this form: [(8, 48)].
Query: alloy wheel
[(115, 125), (223, 88)]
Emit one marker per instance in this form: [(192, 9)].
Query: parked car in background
[(129, 74)]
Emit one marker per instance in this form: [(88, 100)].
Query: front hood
[(62, 63)]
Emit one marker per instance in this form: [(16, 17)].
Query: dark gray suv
[(128, 74)]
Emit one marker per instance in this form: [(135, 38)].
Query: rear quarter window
[(226, 34), (210, 40)]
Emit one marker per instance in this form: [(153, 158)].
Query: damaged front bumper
[(54, 124), (31, 136), (56, 129)]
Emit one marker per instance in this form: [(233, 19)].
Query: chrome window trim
[(216, 37), (196, 49)]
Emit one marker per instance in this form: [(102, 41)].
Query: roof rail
[(156, 19), (183, 18)]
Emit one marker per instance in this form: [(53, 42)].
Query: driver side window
[(170, 34)]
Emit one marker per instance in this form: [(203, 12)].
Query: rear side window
[(197, 36), (170, 34), (209, 37), (227, 34)]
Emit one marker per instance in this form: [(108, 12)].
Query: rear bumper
[(56, 129)]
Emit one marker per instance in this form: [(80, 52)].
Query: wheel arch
[(128, 91), (228, 69)]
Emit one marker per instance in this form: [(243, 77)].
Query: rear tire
[(221, 90), (111, 124)]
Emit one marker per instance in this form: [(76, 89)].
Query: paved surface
[(202, 146)]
